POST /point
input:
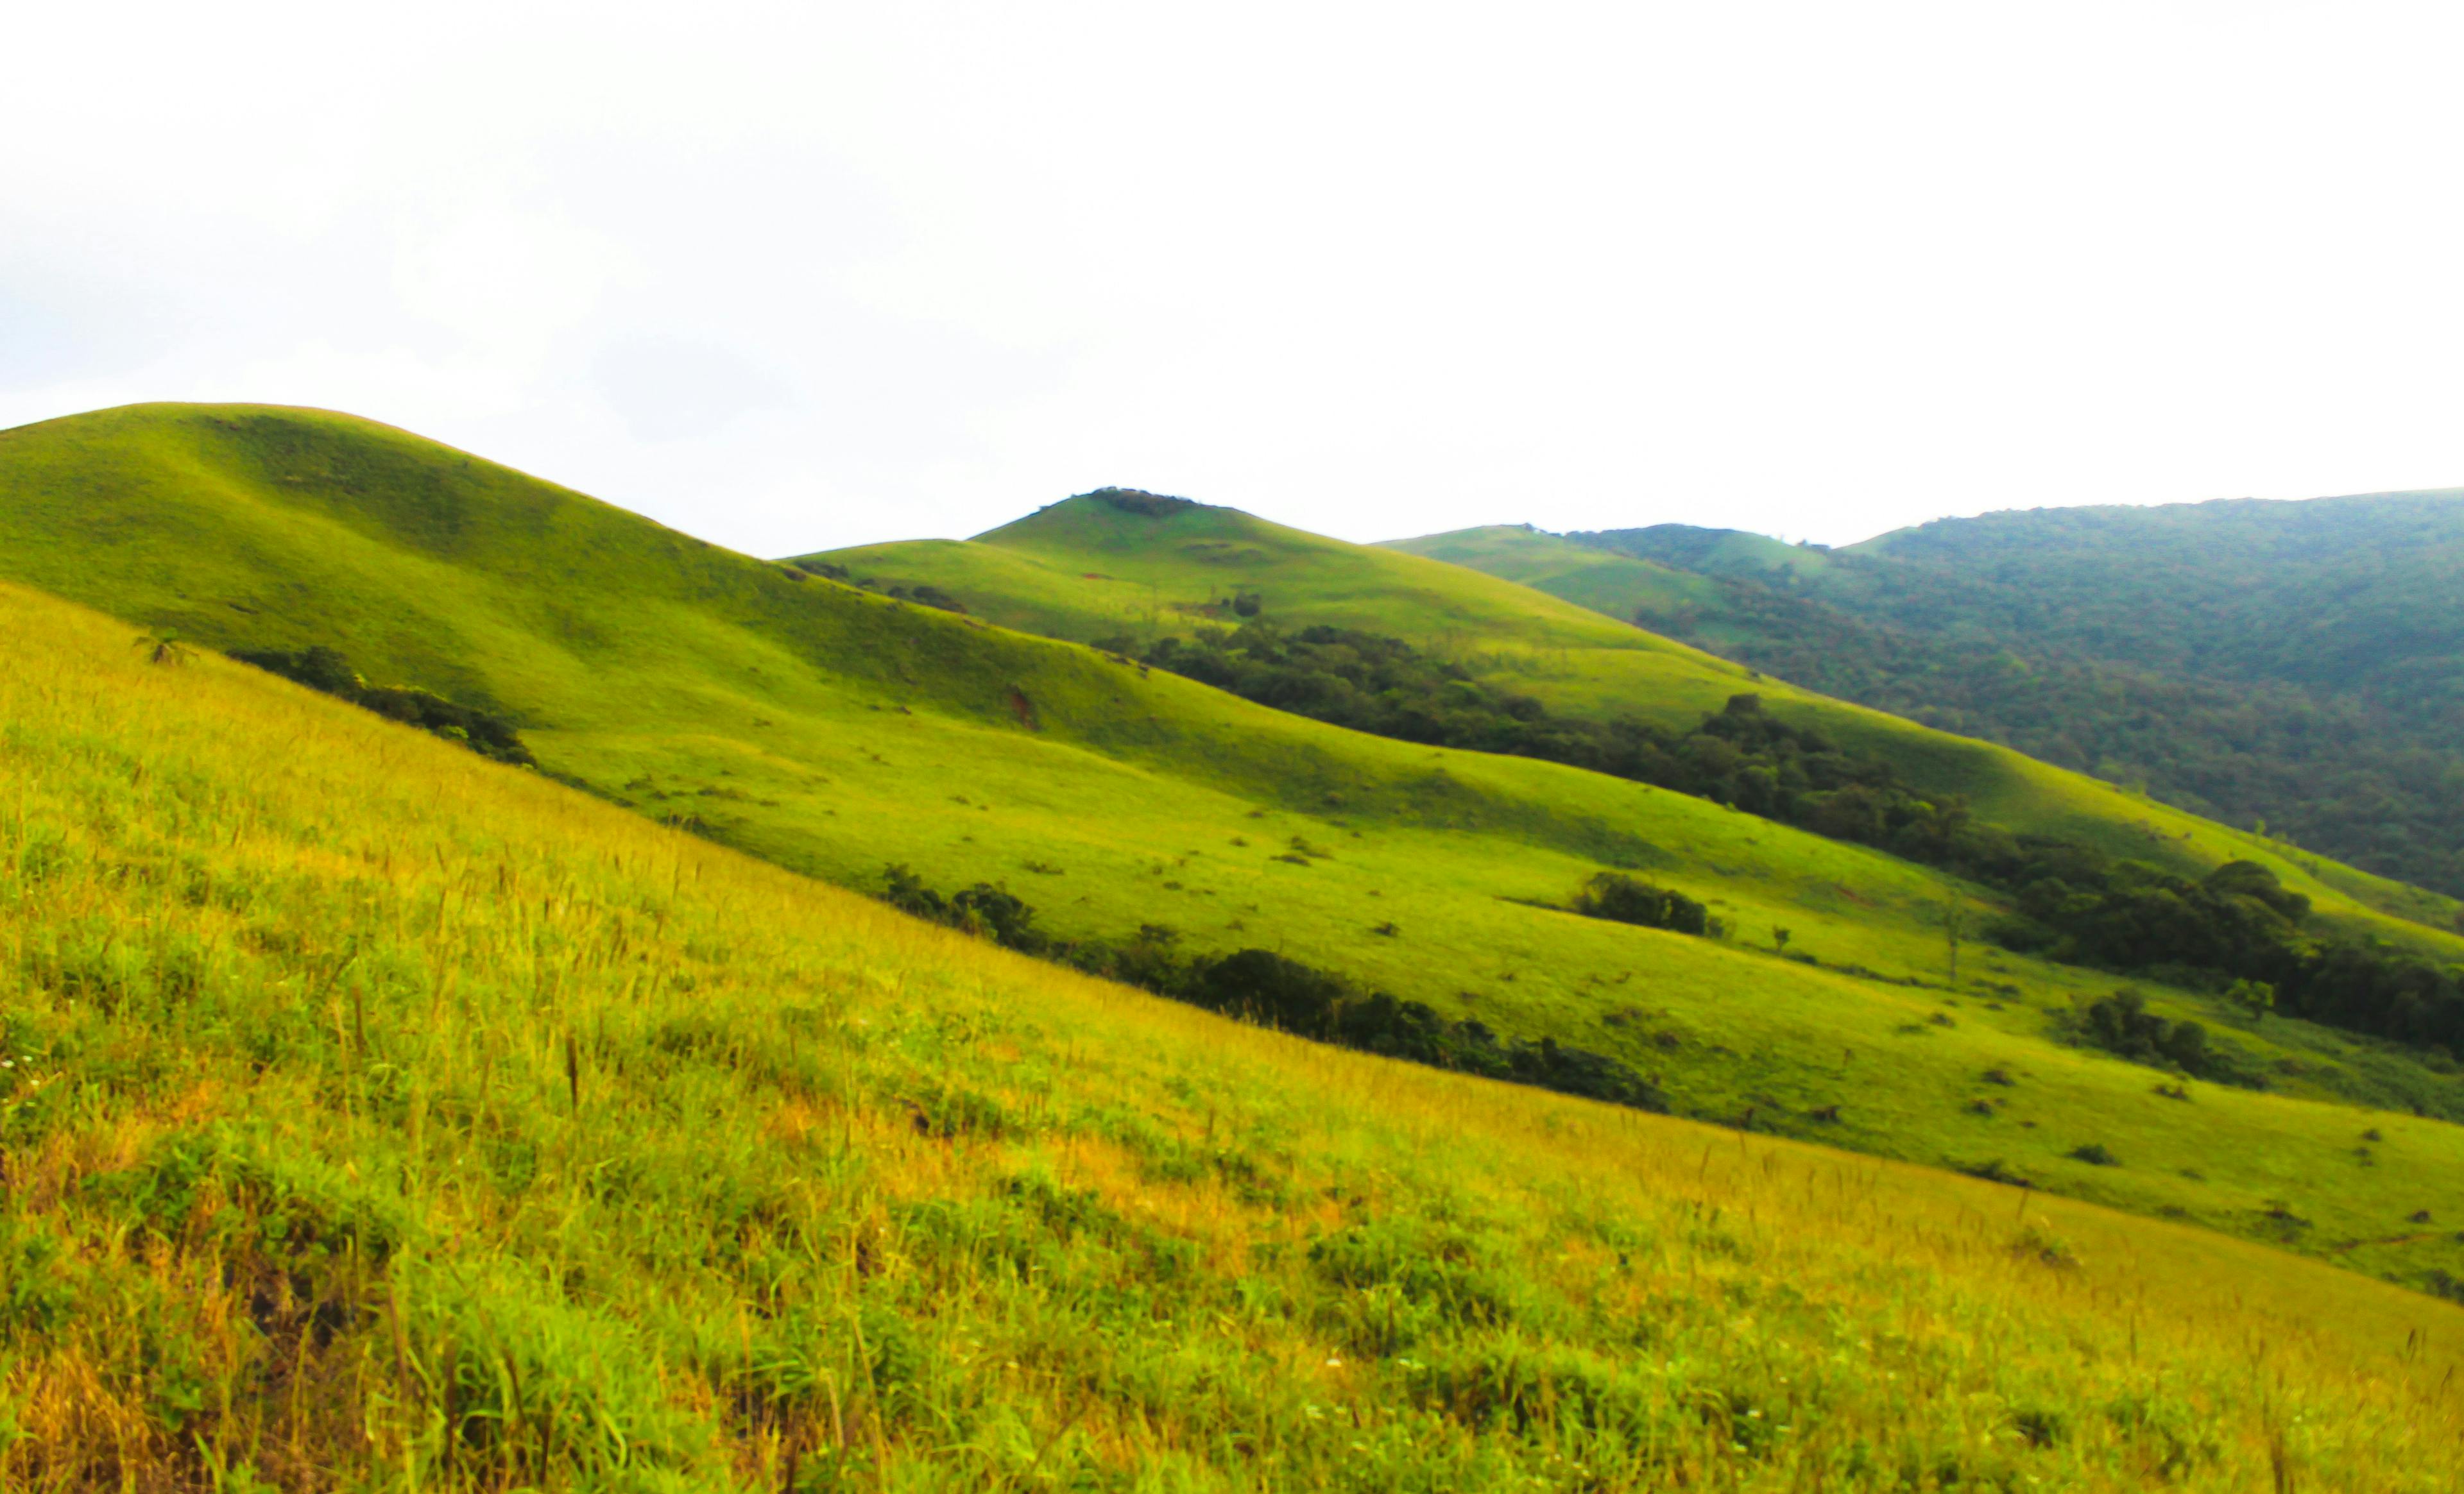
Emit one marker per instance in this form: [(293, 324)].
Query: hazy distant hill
[(2296, 663)]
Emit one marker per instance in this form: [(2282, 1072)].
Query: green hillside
[(2296, 663), (1088, 569), (833, 730), (378, 1116)]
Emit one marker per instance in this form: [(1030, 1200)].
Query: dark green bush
[(1262, 987), (2122, 1024), (1624, 899)]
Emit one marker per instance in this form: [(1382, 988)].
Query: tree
[(2254, 997)]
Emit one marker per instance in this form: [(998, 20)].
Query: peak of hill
[(1100, 804), (1136, 502)]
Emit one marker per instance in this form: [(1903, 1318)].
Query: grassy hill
[(378, 1115), (831, 731), (1087, 569), (2296, 663)]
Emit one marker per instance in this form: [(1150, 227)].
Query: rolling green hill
[(376, 1116), (1088, 569), (832, 730), (2300, 664)]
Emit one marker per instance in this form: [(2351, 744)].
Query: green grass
[(376, 1117), (830, 731)]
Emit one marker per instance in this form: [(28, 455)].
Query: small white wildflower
[(1334, 1364), (1754, 1416)]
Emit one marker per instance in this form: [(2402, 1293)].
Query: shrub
[(993, 910), (1262, 987), (903, 889), (2122, 1024), (1620, 898), (2041, 1245)]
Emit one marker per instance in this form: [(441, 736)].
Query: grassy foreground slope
[(831, 731), (1088, 568), (376, 1116)]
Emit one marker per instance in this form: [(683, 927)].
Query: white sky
[(808, 275)]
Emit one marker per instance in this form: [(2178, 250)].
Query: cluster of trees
[(2121, 1023), (1263, 987), (323, 669), (2237, 931), (1624, 899)]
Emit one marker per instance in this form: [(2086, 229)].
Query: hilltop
[(1063, 799)]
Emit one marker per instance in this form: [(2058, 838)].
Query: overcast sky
[(817, 274)]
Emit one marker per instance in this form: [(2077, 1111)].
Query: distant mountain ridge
[(2299, 664)]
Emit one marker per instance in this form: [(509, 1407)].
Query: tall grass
[(379, 1117)]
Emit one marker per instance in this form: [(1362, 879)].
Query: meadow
[(377, 1116), (832, 732)]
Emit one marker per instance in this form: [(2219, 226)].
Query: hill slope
[(2299, 663), (374, 1113), (833, 730), (1090, 569)]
